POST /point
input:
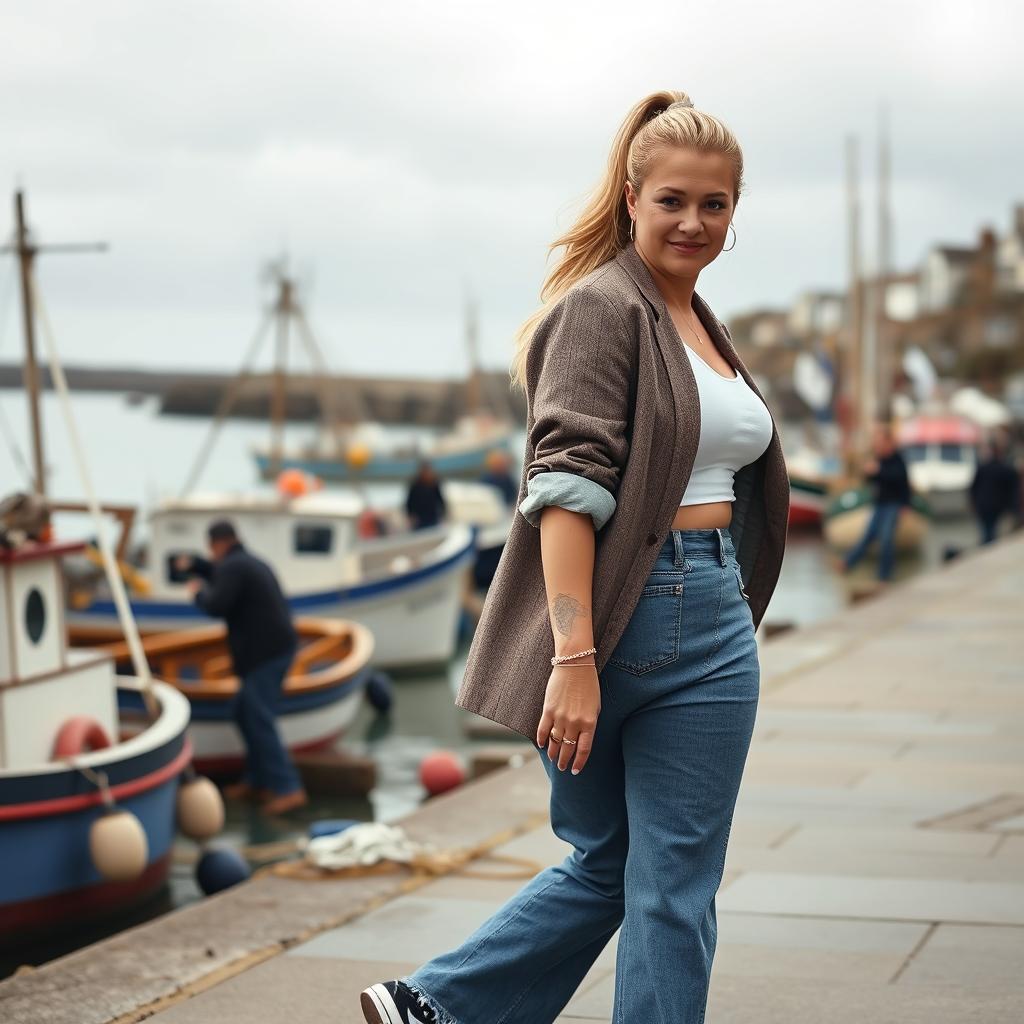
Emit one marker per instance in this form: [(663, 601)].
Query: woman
[(618, 632)]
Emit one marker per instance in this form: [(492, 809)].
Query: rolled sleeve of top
[(579, 370)]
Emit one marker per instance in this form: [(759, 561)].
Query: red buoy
[(441, 771)]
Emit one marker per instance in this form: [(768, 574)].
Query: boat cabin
[(309, 540), (40, 677)]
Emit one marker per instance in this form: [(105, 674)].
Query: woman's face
[(682, 211)]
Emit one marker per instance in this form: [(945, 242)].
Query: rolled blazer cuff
[(567, 490)]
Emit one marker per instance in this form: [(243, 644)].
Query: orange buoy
[(358, 455), (441, 771), (292, 483), (77, 735)]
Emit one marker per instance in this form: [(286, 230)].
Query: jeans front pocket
[(651, 638)]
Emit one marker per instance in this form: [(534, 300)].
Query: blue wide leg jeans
[(648, 817)]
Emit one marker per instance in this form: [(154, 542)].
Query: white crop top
[(735, 430)]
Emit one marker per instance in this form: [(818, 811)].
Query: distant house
[(1010, 255), (902, 296), (761, 328), (943, 276), (816, 313)]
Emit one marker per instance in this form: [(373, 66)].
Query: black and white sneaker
[(393, 1002)]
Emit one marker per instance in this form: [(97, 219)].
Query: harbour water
[(137, 456)]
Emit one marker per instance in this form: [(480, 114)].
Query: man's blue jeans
[(648, 818), (268, 764), (884, 517)]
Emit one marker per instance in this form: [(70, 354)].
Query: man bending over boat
[(242, 589)]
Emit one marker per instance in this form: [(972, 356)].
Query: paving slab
[(893, 899), (286, 990), (968, 956)]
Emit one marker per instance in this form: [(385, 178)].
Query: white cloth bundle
[(366, 843)]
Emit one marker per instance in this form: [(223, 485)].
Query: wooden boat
[(405, 587), (321, 695), (846, 519), (61, 730)]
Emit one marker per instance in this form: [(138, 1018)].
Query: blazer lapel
[(686, 399)]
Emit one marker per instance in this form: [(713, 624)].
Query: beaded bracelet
[(558, 659)]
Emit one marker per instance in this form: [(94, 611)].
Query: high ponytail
[(602, 227)]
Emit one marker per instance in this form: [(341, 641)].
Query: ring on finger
[(570, 742), (554, 738)]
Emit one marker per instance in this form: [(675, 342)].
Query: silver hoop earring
[(733, 246), (631, 223)]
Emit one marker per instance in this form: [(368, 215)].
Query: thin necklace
[(695, 334)]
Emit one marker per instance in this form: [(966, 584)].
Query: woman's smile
[(687, 248)]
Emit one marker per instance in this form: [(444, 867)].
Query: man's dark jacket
[(995, 488), (891, 480), (243, 590)]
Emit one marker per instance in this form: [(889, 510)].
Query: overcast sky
[(400, 152)]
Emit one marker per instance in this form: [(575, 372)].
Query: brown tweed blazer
[(612, 397)]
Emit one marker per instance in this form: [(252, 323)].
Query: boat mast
[(26, 254), (473, 384), (283, 312), (854, 319), (26, 251), (887, 357)]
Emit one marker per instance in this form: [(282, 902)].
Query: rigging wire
[(17, 455)]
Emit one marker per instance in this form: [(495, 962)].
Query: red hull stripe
[(82, 801), (63, 908)]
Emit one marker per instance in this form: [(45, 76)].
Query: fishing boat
[(88, 806), (351, 447), (847, 516), (405, 587), (941, 451), (360, 455), (321, 694), (65, 761)]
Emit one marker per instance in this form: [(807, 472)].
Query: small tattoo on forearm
[(565, 610)]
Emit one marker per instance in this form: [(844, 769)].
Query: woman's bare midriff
[(707, 516)]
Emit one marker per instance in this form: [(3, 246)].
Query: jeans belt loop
[(677, 538), (721, 546)]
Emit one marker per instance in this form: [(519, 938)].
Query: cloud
[(398, 151)]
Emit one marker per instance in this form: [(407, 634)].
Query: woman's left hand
[(572, 703)]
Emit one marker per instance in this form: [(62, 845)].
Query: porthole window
[(35, 615)]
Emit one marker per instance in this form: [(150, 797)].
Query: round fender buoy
[(220, 868), (78, 735), (200, 808), (379, 692), (330, 827), (358, 455), (441, 771), (118, 846), (292, 483)]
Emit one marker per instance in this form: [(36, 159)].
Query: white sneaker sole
[(378, 1007)]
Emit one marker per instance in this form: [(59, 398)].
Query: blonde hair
[(666, 118)]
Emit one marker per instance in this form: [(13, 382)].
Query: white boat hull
[(414, 615)]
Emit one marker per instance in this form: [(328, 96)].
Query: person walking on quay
[(618, 633), (995, 490), (424, 503), (243, 590), (887, 472)]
